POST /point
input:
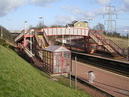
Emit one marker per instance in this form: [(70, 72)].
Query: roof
[(85, 21), (73, 22), (56, 48), (80, 21)]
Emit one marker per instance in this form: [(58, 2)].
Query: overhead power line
[(110, 16)]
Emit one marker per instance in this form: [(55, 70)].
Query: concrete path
[(114, 84)]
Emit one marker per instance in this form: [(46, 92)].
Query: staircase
[(36, 62), (106, 43), (19, 36), (42, 40), (28, 52)]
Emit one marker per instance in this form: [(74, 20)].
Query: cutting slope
[(19, 79)]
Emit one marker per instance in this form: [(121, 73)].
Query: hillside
[(6, 35), (121, 42), (19, 79)]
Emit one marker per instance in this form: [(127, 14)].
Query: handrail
[(45, 38), (19, 36), (44, 41), (112, 44), (37, 39), (95, 38), (30, 54), (116, 47), (99, 38)]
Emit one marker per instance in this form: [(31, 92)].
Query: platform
[(114, 84)]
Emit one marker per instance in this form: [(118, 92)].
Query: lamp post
[(1, 30), (75, 72), (31, 40), (25, 31), (128, 44), (70, 70), (40, 21)]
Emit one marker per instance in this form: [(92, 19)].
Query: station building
[(56, 59)]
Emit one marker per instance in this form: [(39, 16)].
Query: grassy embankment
[(19, 79), (121, 42)]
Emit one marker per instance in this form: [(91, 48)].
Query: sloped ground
[(123, 43), (19, 79)]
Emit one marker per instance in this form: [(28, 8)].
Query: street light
[(31, 40), (25, 31), (128, 43), (75, 72), (1, 30), (40, 21)]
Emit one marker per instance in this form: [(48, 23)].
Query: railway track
[(116, 66)]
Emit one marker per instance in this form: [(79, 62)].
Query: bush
[(3, 43)]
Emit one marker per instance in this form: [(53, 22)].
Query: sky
[(13, 13)]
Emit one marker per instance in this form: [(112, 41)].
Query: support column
[(86, 44)]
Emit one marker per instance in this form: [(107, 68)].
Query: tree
[(99, 26), (41, 25), (6, 34), (56, 26)]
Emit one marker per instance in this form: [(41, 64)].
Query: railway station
[(57, 56), (64, 48)]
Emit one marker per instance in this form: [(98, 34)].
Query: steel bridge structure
[(41, 38)]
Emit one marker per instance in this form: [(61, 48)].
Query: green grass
[(121, 42), (19, 79)]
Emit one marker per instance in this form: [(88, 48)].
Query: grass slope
[(19, 79), (123, 43)]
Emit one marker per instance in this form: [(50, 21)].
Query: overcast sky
[(13, 13)]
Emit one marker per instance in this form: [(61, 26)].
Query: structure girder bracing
[(106, 43)]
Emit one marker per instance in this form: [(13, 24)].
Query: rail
[(29, 53), (116, 66), (18, 37), (43, 42), (84, 82), (100, 41), (112, 44), (108, 44)]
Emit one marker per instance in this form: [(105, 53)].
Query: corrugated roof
[(56, 48)]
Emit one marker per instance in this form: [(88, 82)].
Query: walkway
[(112, 83)]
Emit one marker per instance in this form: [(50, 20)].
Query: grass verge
[(19, 79)]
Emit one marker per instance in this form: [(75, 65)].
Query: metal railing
[(43, 42), (112, 44), (18, 37), (108, 44)]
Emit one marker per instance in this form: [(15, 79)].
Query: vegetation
[(20, 79), (121, 42), (101, 27), (5, 34), (3, 43), (115, 34), (57, 26)]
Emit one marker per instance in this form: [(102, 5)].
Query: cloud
[(62, 20), (78, 12), (103, 2), (124, 8), (9, 5), (83, 14), (42, 2), (126, 5)]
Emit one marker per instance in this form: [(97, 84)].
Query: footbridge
[(56, 31), (40, 35)]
